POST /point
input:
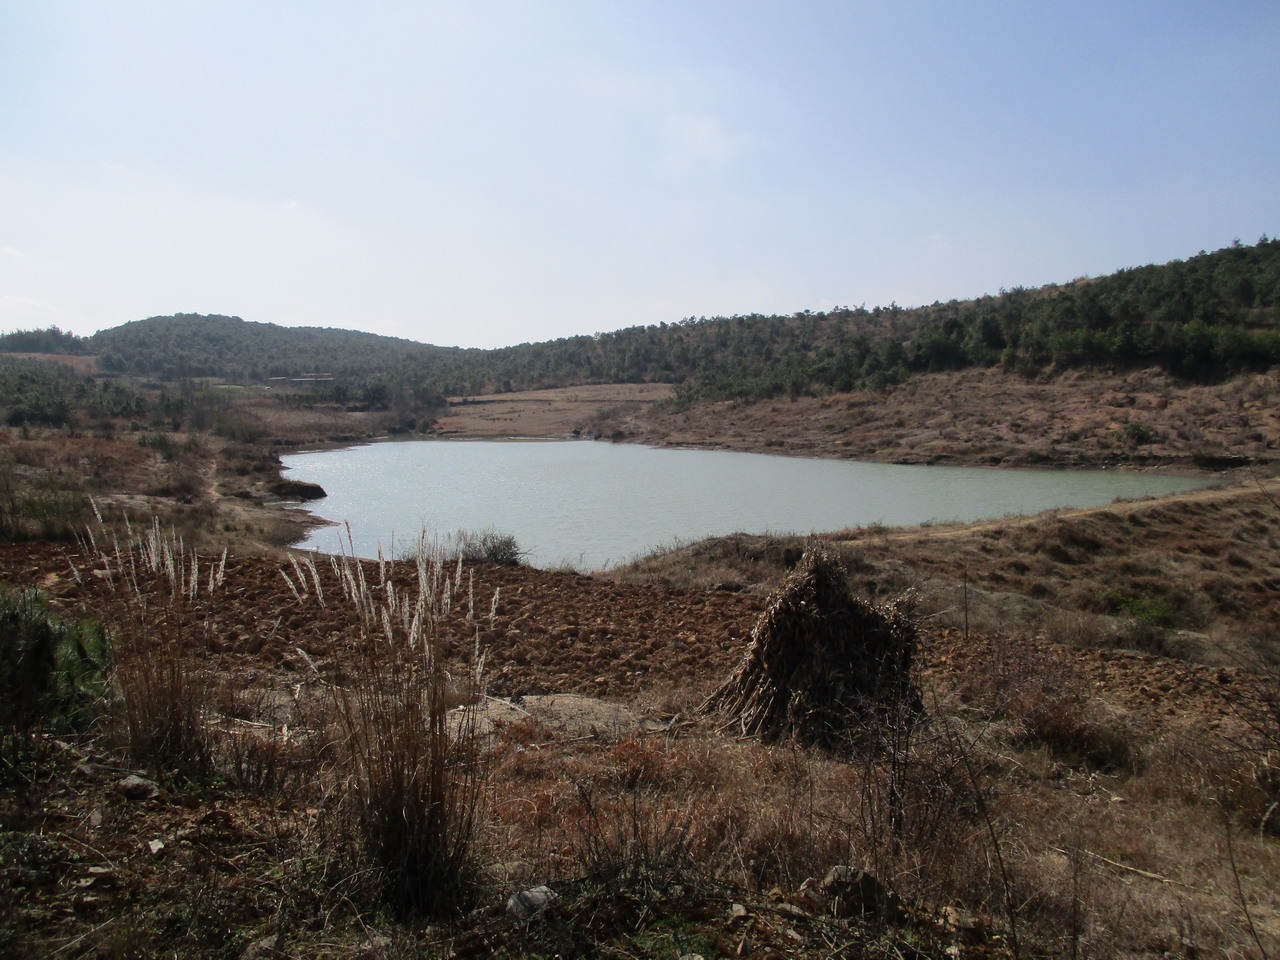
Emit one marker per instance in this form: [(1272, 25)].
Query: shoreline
[(1006, 508)]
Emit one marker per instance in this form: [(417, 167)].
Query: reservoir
[(593, 505)]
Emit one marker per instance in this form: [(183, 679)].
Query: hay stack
[(823, 666)]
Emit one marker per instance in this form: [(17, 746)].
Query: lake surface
[(595, 504)]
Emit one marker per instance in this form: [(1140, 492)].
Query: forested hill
[(1211, 316), (189, 344)]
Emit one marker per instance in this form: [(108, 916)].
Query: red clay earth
[(556, 632)]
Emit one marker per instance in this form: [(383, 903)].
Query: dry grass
[(164, 697), (383, 740), (1090, 836), (1195, 577), (995, 417), (412, 776)]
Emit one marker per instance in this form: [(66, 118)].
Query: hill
[(1206, 318)]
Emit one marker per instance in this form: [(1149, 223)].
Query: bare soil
[(562, 412)]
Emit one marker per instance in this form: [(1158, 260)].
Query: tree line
[(1211, 316)]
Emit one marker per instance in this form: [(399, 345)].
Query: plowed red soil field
[(552, 632)]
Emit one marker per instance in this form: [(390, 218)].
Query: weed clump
[(49, 671), (488, 546), (823, 666)]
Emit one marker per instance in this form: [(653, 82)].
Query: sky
[(486, 173)]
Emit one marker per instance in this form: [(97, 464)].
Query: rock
[(853, 892), (138, 789), (263, 949), (376, 946), (298, 490), (528, 903)]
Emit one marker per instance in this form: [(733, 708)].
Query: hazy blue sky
[(485, 173)]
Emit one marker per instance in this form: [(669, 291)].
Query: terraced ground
[(1097, 776)]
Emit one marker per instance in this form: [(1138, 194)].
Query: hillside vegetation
[(1205, 318)]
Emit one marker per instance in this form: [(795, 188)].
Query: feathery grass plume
[(413, 781), (157, 619), (218, 574), (310, 563), (292, 588), (297, 569)]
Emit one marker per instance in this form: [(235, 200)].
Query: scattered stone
[(739, 912), (264, 949), (375, 947), (853, 892), (156, 847), (138, 789), (529, 903)]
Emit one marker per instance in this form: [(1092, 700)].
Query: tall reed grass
[(159, 626), (412, 773)]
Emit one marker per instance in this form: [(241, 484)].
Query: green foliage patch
[(1155, 611), (47, 508), (51, 672)]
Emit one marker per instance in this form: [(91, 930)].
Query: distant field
[(79, 362), (548, 413)]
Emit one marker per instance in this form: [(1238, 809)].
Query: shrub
[(160, 443), (1139, 434), (48, 510), (1053, 706), (1156, 611), (49, 671), (488, 546), (164, 704)]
